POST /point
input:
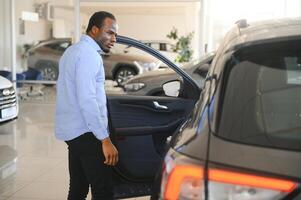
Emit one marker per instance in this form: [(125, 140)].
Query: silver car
[(118, 66)]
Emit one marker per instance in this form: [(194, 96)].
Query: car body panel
[(140, 129), (5, 83), (9, 108), (266, 160), (200, 140), (157, 125)]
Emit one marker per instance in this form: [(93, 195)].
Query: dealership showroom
[(150, 99)]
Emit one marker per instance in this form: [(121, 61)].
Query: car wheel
[(123, 74), (49, 71)]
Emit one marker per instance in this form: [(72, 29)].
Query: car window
[(262, 98), (155, 46), (144, 75), (136, 71), (163, 47)]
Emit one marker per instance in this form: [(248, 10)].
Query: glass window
[(262, 97), (155, 46), (163, 47)]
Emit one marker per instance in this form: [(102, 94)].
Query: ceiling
[(137, 8)]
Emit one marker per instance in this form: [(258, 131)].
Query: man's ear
[(94, 30)]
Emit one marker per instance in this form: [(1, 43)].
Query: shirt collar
[(92, 42)]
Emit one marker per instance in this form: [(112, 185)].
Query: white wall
[(141, 20), (151, 21), (33, 31), (63, 23), (150, 27), (41, 30), (154, 22), (5, 36)]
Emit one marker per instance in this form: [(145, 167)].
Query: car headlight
[(147, 66), (133, 86)]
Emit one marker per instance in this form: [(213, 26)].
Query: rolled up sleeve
[(92, 107)]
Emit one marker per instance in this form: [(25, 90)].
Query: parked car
[(242, 140), (118, 66), (150, 83), (238, 138), (8, 100), (164, 47)]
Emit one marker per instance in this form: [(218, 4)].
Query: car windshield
[(262, 96)]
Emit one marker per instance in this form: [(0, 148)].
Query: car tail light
[(187, 182)]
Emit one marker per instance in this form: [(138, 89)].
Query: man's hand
[(110, 152)]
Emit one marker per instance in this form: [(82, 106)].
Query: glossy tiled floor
[(33, 164)]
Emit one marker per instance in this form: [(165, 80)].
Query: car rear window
[(262, 96)]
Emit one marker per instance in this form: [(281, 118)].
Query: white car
[(8, 100), (164, 47)]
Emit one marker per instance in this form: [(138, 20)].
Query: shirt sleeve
[(93, 108)]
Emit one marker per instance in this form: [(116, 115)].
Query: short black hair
[(98, 18)]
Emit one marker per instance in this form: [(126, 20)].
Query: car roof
[(267, 30)]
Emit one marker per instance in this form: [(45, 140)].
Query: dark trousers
[(86, 168)]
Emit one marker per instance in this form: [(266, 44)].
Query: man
[(81, 110)]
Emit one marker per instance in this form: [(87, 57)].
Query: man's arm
[(110, 152), (94, 112)]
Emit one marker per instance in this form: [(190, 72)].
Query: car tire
[(49, 70), (123, 74)]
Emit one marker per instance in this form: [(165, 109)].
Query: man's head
[(102, 28)]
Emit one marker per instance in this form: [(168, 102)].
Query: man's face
[(105, 36)]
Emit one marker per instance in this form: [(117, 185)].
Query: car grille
[(7, 98)]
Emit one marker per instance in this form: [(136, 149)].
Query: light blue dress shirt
[(81, 99)]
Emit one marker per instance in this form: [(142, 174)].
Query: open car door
[(140, 126)]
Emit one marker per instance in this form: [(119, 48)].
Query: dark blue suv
[(239, 138)]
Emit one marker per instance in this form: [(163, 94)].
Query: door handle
[(159, 107)]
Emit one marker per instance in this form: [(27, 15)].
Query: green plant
[(182, 46)]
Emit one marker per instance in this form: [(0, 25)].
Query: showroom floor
[(33, 164)]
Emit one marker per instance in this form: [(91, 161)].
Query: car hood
[(5, 83)]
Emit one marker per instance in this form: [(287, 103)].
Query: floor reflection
[(33, 164)]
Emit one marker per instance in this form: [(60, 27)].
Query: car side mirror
[(172, 88)]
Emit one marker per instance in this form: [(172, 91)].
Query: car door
[(141, 125)]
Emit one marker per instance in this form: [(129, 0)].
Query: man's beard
[(101, 45)]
